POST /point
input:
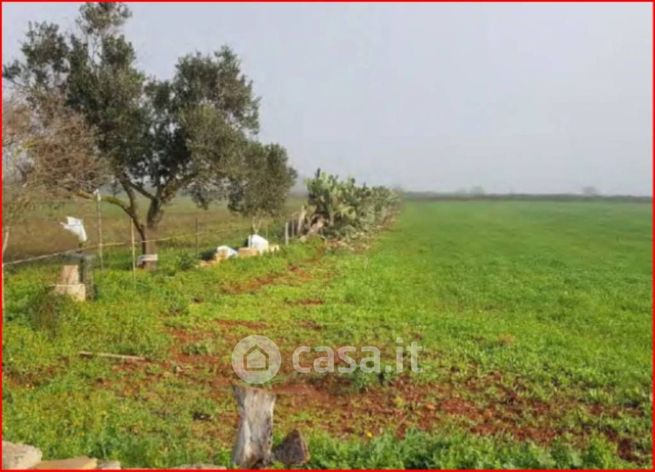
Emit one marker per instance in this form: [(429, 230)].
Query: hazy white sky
[(513, 97)]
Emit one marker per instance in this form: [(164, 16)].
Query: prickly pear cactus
[(345, 208)]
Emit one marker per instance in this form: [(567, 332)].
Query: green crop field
[(534, 320)]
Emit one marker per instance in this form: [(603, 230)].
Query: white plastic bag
[(225, 252), (255, 241), (75, 226)]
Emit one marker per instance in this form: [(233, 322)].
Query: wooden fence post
[(133, 250), (99, 218), (197, 240), (5, 241), (286, 233)]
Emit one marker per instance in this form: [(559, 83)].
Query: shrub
[(345, 209)]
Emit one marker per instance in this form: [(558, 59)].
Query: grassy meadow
[(534, 319)]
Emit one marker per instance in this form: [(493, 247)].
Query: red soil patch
[(309, 324), (302, 390), (484, 405), (307, 302), (294, 275), (183, 336), (249, 286), (458, 407), (404, 404), (251, 324), (299, 271)]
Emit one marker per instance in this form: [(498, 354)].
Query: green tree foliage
[(194, 133), (262, 188)]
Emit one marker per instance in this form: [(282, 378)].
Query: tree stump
[(254, 440)]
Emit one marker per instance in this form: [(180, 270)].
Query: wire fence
[(100, 247), (111, 234)]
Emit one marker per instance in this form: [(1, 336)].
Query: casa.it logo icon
[(256, 359)]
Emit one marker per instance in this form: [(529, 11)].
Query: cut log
[(292, 450), (108, 355), (252, 446)]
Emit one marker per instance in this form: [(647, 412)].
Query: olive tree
[(263, 185), (158, 138)]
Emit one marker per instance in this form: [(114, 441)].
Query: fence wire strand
[(119, 244)]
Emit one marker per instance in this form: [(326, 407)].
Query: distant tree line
[(410, 195)]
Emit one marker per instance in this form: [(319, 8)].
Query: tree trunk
[(143, 235), (301, 220), (148, 246), (155, 213), (148, 233)]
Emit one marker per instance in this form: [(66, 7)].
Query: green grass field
[(534, 319)]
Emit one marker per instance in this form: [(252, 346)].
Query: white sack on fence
[(226, 252), (255, 241), (75, 226)]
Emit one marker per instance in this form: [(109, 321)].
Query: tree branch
[(109, 199), (140, 189)]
